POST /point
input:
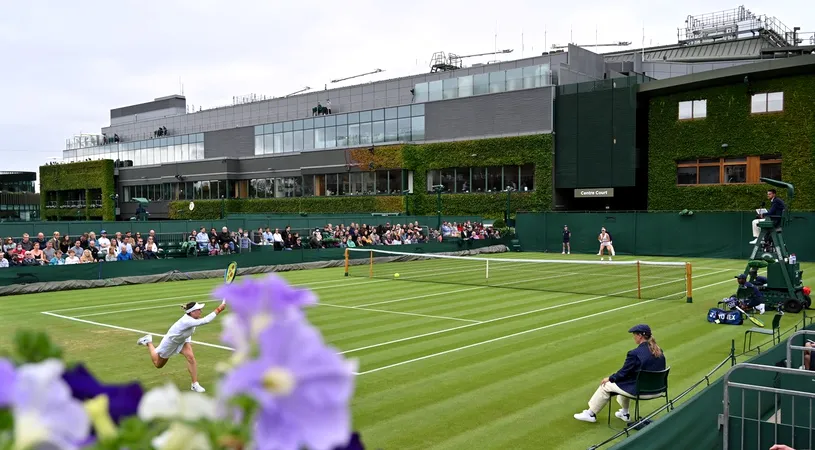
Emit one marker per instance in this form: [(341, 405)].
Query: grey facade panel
[(513, 112), (231, 143), (166, 103)]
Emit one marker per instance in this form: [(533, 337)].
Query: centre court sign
[(582, 193)]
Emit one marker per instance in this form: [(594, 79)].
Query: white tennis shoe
[(586, 416), (197, 388), (145, 340)]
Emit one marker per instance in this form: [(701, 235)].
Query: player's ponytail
[(653, 347)]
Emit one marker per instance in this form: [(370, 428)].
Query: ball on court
[(396, 275)]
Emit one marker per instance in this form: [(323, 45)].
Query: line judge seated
[(774, 214), (646, 356)]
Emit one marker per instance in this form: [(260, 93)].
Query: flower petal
[(196, 406), (160, 403), (7, 378)]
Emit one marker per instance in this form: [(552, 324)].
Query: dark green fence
[(245, 221), (265, 257), (704, 234)]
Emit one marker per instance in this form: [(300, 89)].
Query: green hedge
[(85, 175), (790, 133), (536, 149)]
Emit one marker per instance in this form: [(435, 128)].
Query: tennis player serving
[(179, 340)]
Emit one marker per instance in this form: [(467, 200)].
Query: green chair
[(515, 245), (775, 332), (648, 383)]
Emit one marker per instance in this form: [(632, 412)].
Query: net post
[(689, 281), (346, 261), (371, 266), (639, 282)]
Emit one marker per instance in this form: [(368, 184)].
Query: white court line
[(107, 313), (359, 308), (458, 290), (507, 317), (500, 338)]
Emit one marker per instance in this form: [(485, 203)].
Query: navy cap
[(641, 328), (102, 232), (741, 276)]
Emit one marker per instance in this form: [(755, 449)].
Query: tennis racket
[(229, 275), (752, 319)]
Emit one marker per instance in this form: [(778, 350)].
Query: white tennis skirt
[(605, 244), (169, 348)]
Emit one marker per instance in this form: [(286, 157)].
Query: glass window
[(364, 116), (390, 113), (319, 138), (268, 144), (355, 183), (450, 87), (404, 129), (298, 141), (699, 109), (709, 174), (378, 132), (494, 181), (685, 110), (330, 137), (498, 81), (532, 77), (771, 170), (267, 129), (353, 117), (319, 122), (417, 128), (758, 103), (288, 141), (463, 179), (278, 127), (369, 182), (448, 179), (378, 114), (527, 178), (342, 136), (186, 139), (287, 126), (342, 119), (331, 187), (515, 79), (479, 179), (382, 182), (206, 191), (735, 173), (417, 110), (403, 111), (775, 101), (365, 133), (297, 125), (278, 143), (330, 121), (343, 183), (686, 175), (308, 123), (395, 181), (511, 177), (433, 178), (391, 130), (420, 93), (308, 139), (436, 88), (353, 134), (308, 185), (481, 84)]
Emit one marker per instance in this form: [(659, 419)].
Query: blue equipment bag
[(725, 317)]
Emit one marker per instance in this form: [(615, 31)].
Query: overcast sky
[(65, 64)]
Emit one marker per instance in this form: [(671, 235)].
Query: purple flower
[(123, 400), (7, 378), (354, 444), (44, 411), (302, 386)]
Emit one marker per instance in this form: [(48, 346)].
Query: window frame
[(766, 103), (694, 104), (752, 168)]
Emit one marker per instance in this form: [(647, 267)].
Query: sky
[(66, 64)]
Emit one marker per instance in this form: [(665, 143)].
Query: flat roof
[(773, 68)]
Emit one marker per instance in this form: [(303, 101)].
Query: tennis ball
[(396, 275)]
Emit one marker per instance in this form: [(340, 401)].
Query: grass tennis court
[(442, 365)]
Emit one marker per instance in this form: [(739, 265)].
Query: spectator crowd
[(93, 248)]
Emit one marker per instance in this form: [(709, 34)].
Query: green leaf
[(34, 347), (6, 420)]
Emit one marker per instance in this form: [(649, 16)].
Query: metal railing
[(775, 418), (791, 347)]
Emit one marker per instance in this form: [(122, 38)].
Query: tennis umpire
[(646, 356)]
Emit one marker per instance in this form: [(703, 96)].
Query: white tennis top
[(184, 327)]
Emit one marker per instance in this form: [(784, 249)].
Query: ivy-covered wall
[(86, 175), (519, 150), (790, 133)]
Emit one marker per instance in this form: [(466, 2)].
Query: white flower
[(181, 437), (168, 402)]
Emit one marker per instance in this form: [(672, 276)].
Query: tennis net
[(631, 279)]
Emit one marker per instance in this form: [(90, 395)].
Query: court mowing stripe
[(358, 308), (508, 317), (500, 338)]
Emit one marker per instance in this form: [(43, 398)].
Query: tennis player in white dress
[(179, 340), (605, 242)]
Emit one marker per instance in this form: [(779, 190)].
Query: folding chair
[(648, 383), (775, 332)]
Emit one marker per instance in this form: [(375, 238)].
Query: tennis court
[(449, 358)]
